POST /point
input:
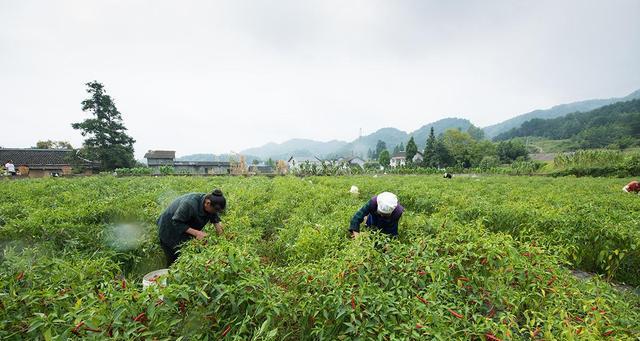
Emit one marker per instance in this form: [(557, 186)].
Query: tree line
[(454, 147)]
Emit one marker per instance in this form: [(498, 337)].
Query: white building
[(398, 159)]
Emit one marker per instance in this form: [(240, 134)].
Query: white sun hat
[(387, 202)]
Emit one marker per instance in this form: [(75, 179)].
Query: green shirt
[(185, 212)]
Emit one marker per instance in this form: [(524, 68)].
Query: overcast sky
[(215, 76)]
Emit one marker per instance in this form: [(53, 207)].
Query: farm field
[(480, 258)]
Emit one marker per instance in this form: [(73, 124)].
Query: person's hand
[(201, 235), (219, 229), (354, 234)]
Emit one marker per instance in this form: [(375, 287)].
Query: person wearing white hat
[(382, 212)]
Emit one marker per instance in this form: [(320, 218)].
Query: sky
[(222, 76)]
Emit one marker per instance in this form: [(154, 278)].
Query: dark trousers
[(171, 253)]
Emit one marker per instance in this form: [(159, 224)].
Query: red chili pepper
[(92, 330), (20, 276), (536, 332), (484, 261), (183, 307), (578, 318), (419, 326), (455, 313), (159, 302), (75, 330), (602, 312), (463, 279), (422, 299), (101, 296), (492, 312), (594, 308), (141, 317), (608, 333), (553, 279), (491, 337), (579, 331), (124, 284), (422, 272), (226, 331), (353, 302)]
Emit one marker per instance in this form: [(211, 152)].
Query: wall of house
[(211, 170), (159, 162)]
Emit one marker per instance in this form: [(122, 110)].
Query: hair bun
[(217, 192)]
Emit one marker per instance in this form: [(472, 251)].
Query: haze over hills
[(358, 147), (556, 111), (393, 136)]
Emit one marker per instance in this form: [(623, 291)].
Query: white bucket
[(151, 278)]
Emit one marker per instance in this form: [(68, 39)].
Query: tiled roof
[(39, 157), (160, 154), (400, 155)]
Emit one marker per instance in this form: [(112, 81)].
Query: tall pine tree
[(430, 150), (412, 149), (380, 146), (106, 138)]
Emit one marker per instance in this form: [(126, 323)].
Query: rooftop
[(33, 157), (160, 154)]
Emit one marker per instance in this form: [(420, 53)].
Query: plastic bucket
[(152, 278)]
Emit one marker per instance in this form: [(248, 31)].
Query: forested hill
[(555, 112), (617, 123)]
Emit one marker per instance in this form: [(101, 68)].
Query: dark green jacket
[(184, 212)]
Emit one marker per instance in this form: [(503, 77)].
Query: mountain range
[(554, 112), (358, 147), (392, 136)]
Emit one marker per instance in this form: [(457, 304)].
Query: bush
[(167, 170), (133, 171)]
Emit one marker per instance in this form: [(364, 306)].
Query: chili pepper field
[(478, 258)]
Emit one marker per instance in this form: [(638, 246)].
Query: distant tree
[(510, 151), (270, 162), (49, 144), (255, 162), (412, 150), (475, 133), (459, 144), (481, 150), (384, 158), (370, 154), (430, 158), (106, 138), (380, 146), (396, 149), (443, 157), (401, 147)]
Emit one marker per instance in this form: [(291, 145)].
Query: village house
[(295, 162), (166, 158), (261, 169), (398, 159), (36, 163), (418, 158), (351, 161)]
